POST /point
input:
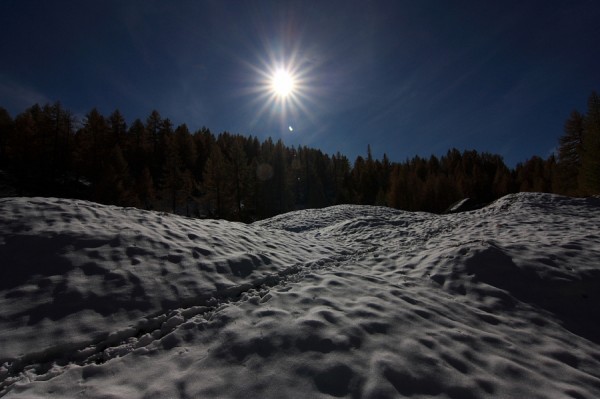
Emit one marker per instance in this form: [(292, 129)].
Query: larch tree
[(239, 175), (145, 188), (114, 185), (6, 131), (215, 180), (590, 159), (569, 155), (91, 145), (138, 149), (118, 129)]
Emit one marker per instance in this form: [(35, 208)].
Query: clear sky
[(407, 77)]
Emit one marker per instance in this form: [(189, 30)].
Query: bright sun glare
[(282, 83), (283, 91)]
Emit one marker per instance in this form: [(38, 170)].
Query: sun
[(282, 83), (282, 89)]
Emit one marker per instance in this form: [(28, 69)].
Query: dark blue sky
[(407, 77)]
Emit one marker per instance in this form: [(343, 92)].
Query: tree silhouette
[(569, 155), (239, 177), (6, 131), (590, 160), (115, 184), (216, 186)]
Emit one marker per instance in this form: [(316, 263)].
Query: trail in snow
[(346, 301)]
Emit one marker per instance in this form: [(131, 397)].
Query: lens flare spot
[(264, 172)]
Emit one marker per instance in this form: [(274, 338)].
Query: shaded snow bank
[(347, 301)]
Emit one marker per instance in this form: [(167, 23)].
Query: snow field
[(346, 301)]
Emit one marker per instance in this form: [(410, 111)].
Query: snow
[(348, 301)]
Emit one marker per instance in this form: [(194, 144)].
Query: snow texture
[(348, 301)]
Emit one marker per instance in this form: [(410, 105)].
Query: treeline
[(579, 152), (152, 164)]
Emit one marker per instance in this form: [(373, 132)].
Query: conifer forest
[(152, 164)]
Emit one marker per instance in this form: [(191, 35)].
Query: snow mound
[(347, 301), (77, 270), (315, 219)]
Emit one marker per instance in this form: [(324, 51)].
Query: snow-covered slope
[(346, 301)]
